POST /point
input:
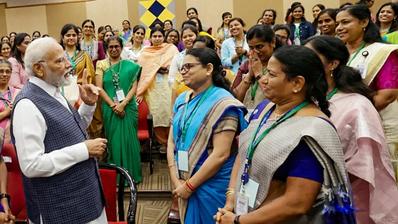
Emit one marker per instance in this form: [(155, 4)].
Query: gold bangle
[(171, 165), (229, 192)]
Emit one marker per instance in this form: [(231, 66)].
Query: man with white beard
[(58, 163)]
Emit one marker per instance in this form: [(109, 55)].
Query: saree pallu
[(367, 158), (121, 132), (71, 92), (275, 148), (379, 70), (218, 105)]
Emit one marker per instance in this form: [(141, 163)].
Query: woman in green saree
[(118, 80)]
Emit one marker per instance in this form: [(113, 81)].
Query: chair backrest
[(143, 112), (109, 173), (14, 182)]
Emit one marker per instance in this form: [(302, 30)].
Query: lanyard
[(362, 46), (6, 101), (331, 94), (256, 141), (188, 118), (115, 75), (254, 87), (72, 59)]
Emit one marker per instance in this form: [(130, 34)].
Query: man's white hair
[(36, 51)]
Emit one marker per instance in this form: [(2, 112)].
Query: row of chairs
[(114, 191)]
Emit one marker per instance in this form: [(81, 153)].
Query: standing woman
[(5, 39), (79, 60), (168, 25), (359, 126), (137, 44), (5, 50), (125, 34), (289, 150), (234, 50), (101, 33), (326, 22), (386, 18), (377, 64), (261, 40), (269, 17), (300, 28), (93, 48), (153, 85), (173, 37), (201, 148), (223, 31), (118, 79), (188, 36), (7, 96), (19, 76)]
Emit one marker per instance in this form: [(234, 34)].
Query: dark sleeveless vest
[(75, 195)]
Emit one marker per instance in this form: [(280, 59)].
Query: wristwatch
[(236, 220)]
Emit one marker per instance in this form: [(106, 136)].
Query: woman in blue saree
[(201, 149)]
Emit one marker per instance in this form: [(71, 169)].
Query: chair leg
[(150, 158)]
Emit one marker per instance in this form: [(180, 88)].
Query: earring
[(295, 91), (331, 74)]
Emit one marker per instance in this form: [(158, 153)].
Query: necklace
[(363, 44)]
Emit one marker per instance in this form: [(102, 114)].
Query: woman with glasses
[(118, 78), (153, 85), (93, 48), (201, 148), (19, 76), (262, 42), (7, 96)]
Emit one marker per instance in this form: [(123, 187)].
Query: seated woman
[(118, 78), (361, 132), (289, 150), (200, 150)]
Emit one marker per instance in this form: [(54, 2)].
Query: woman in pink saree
[(361, 133), (7, 95)]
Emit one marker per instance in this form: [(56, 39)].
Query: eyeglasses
[(5, 71), (186, 67), (281, 37)]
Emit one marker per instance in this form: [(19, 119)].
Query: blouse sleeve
[(300, 163), (226, 57), (387, 78)]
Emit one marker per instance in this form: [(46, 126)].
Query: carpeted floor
[(154, 194)]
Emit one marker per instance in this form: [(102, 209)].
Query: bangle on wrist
[(189, 185), (4, 195)]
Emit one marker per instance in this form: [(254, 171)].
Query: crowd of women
[(282, 123)]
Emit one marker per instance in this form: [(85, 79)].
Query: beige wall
[(76, 14), (50, 18), (3, 24), (104, 12), (26, 19)]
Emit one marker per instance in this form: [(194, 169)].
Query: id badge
[(242, 204), (250, 190), (120, 95), (183, 160)]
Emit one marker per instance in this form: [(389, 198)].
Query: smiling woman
[(201, 148), (326, 22), (377, 64)]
